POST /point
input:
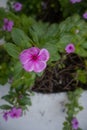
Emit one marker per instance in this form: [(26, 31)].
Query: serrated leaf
[(20, 38), (25, 101), (81, 52), (5, 107), (12, 50), (17, 69)]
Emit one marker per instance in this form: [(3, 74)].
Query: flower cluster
[(70, 48), (13, 113), (8, 25), (75, 1), (85, 15), (75, 123), (17, 6)]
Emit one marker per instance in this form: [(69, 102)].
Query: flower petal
[(19, 112), (44, 55), (28, 66), (25, 56), (34, 51), (5, 20), (4, 27), (39, 66)]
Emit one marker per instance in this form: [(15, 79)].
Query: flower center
[(34, 57), (17, 5), (76, 123), (14, 114), (70, 47), (6, 24)]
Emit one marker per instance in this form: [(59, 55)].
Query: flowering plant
[(35, 50)]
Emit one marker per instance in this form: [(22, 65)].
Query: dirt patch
[(61, 77)]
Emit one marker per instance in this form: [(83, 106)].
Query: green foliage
[(82, 76), (29, 7), (12, 50), (5, 65), (73, 108), (73, 30), (69, 8), (20, 38), (22, 22), (5, 107)]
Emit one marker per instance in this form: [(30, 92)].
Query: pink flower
[(75, 123), (8, 24), (15, 112), (5, 115), (17, 6), (70, 48), (75, 1), (85, 15), (34, 59)]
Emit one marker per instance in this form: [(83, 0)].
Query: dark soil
[(61, 77), (50, 11)]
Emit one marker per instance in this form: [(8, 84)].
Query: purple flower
[(15, 112), (75, 123), (5, 115), (85, 15), (17, 6), (79, 1), (70, 48), (8, 24), (75, 1), (34, 59)]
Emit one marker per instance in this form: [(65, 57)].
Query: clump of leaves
[(68, 8), (73, 108), (53, 37)]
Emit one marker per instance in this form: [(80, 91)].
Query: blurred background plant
[(46, 10), (70, 7)]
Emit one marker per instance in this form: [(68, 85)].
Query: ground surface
[(46, 113)]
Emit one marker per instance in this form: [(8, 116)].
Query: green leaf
[(17, 82), (53, 50), (84, 45), (82, 76), (9, 98), (12, 50), (25, 101), (34, 36), (5, 107), (20, 38), (81, 52), (17, 69)]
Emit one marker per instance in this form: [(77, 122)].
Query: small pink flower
[(75, 1), (8, 25), (34, 59), (75, 123), (5, 115), (85, 15), (15, 112), (70, 48), (79, 1), (17, 6)]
